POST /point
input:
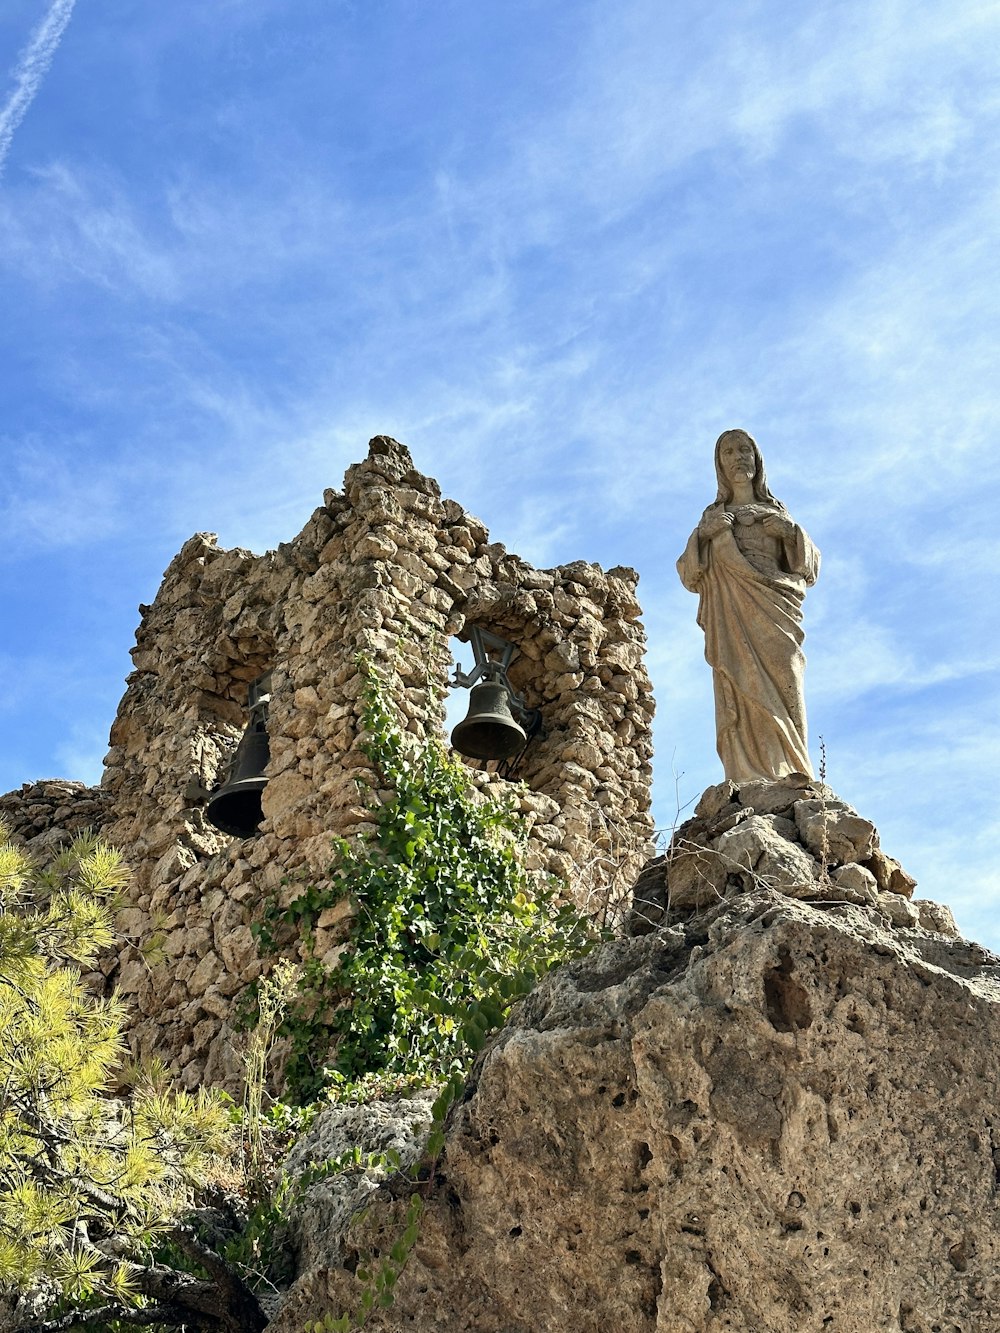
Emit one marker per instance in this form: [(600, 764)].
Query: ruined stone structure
[(50, 814), (388, 569)]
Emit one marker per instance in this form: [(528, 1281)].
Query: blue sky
[(555, 248)]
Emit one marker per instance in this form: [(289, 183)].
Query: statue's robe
[(750, 588)]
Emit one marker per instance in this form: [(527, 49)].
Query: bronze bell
[(489, 731), (235, 807)]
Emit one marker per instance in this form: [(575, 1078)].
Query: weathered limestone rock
[(859, 885), (400, 1127), (936, 917), (696, 879), (793, 834), (758, 853), (833, 832), (890, 875), (901, 912), (771, 797), (780, 1116)]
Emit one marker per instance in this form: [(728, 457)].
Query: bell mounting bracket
[(258, 698), (484, 643)]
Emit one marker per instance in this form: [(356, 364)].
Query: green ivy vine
[(448, 928)]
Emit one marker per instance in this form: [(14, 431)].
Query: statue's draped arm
[(802, 556)]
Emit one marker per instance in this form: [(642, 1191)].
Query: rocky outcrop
[(776, 1115), (376, 1130), (795, 835)]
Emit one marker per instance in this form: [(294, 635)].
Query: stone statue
[(750, 566)]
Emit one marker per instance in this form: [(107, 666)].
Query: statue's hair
[(760, 488)]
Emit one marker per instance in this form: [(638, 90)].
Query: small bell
[(235, 807), (489, 731)]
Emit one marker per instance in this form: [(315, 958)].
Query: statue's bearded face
[(737, 457)]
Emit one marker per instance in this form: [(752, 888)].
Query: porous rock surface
[(775, 1116), (375, 1130)]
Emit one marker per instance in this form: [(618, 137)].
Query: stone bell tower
[(387, 569)]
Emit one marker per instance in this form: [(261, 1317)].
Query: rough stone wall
[(389, 569), (45, 815)]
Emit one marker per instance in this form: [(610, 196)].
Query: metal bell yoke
[(498, 724)]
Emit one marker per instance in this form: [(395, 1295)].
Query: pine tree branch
[(223, 1304), (241, 1305), (114, 1208), (173, 1316)]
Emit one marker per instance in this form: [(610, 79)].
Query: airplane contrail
[(32, 66)]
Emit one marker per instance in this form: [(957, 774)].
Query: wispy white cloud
[(70, 227), (29, 72), (838, 357), (653, 91), (924, 779), (53, 499), (864, 656)]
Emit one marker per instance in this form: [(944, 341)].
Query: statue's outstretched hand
[(713, 523)]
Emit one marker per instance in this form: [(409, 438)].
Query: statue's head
[(738, 443)]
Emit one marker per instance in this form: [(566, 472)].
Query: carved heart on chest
[(746, 515)]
